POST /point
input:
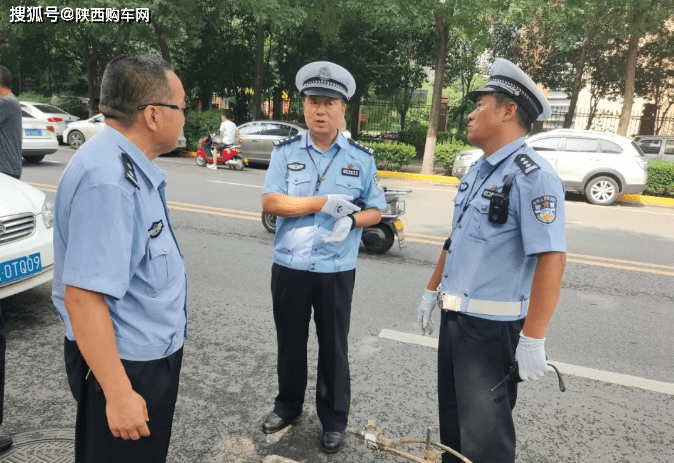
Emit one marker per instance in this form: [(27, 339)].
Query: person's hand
[(127, 415), (340, 230), (426, 306), (339, 206), (530, 356)]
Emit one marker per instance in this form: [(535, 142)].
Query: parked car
[(78, 132), (46, 112), (657, 147), (26, 237), (257, 138), (464, 160), (38, 140), (597, 164)]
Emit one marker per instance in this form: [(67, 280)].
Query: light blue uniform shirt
[(494, 262), (116, 239), (294, 170)]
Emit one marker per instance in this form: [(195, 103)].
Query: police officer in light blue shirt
[(312, 183), (119, 280), (499, 275)]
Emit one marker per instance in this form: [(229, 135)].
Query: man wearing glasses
[(119, 281)]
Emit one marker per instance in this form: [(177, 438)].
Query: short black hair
[(228, 113), (523, 119), (133, 80), (5, 77)]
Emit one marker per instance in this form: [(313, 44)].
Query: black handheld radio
[(498, 203)]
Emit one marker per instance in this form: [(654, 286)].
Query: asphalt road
[(611, 334)]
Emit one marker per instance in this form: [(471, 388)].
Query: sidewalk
[(413, 169)]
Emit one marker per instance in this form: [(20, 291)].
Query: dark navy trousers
[(294, 293), (155, 380), (474, 354)]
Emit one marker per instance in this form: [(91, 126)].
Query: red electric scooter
[(212, 145)]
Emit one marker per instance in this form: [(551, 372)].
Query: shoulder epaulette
[(285, 141), (525, 163), (369, 151)]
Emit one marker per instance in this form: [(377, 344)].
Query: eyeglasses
[(184, 109)]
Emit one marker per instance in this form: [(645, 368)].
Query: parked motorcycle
[(212, 145), (377, 238)]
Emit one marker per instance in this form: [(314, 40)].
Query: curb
[(633, 199)]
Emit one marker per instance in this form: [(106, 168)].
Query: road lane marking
[(566, 368), (236, 184), (573, 258), (412, 237)]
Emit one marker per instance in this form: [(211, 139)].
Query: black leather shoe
[(5, 442), (331, 441), (274, 423)]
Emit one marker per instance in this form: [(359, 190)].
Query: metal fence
[(380, 115)]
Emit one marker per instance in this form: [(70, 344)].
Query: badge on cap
[(545, 208), (324, 73)]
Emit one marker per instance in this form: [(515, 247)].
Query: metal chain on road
[(374, 439)]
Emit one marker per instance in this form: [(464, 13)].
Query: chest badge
[(545, 208), (351, 172), (296, 166), (463, 186), (156, 228)]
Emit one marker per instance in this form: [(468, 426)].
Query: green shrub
[(446, 152), (391, 156), (415, 135), (198, 125), (72, 105), (661, 177), (33, 97)]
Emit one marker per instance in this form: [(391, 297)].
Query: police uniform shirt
[(113, 235), (492, 262), (294, 170)]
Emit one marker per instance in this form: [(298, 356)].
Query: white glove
[(426, 306), (340, 231), (530, 356), (339, 206)]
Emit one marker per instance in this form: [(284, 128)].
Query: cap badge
[(324, 73)]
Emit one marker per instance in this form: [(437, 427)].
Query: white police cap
[(507, 78), (323, 78)]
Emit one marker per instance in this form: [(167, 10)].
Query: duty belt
[(478, 306)]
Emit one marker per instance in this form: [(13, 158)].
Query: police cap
[(507, 78), (323, 78)]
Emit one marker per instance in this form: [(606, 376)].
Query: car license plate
[(19, 268), (34, 132)]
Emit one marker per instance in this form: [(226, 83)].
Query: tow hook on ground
[(375, 439)]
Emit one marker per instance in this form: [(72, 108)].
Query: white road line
[(589, 373), (236, 184)]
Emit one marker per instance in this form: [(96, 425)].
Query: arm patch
[(526, 164), (369, 151), (285, 141)]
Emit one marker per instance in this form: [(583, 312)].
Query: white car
[(38, 138), (78, 132), (26, 237), (599, 165), (49, 113)]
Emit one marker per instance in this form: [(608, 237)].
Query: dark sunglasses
[(184, 109)]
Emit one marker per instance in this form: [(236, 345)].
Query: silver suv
[(656, 147), (597, 164)]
